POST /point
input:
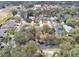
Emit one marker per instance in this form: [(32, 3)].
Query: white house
[(37, 6), (2, 45), (67, 28), (53, 18), (32, 17)]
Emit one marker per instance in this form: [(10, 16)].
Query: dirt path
[(50, 51)]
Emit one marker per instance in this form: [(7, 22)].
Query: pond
[(44, 46)]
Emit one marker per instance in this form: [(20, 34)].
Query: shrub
[(74, 52), (21, 38), (5, 52), (14, 12), (18, 52), (45, 28), (31, 49), (12, 31), (70, 21), (66, 45)]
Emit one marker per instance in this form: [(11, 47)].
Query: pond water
[(44, 46)]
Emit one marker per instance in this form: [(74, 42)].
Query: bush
[(74, 52), (54, 42), (45, 28), (65, 49), (66, 45), (31, 49), (75, 34), (21, 38), (51, 31), (12, 31), (12, 52), (70, 21), (14, 12), (5, 52), (18, 52), (66, 39)]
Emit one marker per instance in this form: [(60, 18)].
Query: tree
[(14, 12), (75, 34), (5, 52), (70, 21), (18, 52), (66, 45), (74, 52), (64, 51), (45, 28), (12, 31), (21, 38), (51, 31), (30, 13), (31, 49), (77, 22)]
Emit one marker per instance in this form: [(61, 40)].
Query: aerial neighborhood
[(39, 29)]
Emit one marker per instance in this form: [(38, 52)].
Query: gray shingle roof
[(2, 32), (10, 24)]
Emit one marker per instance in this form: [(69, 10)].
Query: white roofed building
[(32, 17), (37, 6)]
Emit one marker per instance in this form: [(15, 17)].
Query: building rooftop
[(2, 31), (9, 24)]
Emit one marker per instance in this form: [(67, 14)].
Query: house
[(44, 6), (67, 28), (2, 33), (63, 18), (53, 18), (9, 24), (59, 29), (50, 6), (37, 6), (40, 17), (32, 17), (2, 45), (54, 23), (46, 17), (56, 6)]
